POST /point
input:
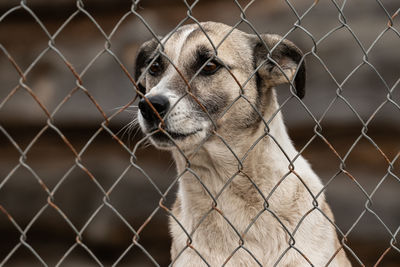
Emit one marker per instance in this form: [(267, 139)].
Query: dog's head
[(199, 81)]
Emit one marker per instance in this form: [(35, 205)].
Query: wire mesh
[(164, 194)]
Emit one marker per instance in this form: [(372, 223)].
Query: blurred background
[(370, 95)]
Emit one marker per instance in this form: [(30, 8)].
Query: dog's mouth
[(167, 136)]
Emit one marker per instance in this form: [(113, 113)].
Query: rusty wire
[(133, 164)]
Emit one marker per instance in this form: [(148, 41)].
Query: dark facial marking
[(141, 62), (157, 64), (214, 103), (204, 60), (201, 55)]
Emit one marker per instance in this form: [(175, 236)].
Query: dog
[(245, 197)]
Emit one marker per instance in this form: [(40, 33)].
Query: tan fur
[(254, 226)]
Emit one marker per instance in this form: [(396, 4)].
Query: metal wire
[(104, 127)]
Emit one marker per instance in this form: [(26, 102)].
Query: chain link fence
[(81, 186)]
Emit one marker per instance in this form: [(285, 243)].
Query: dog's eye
[(155, 68), (210, 68)]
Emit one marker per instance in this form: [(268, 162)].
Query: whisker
[(131, 107), (131, 128), (124, 128)]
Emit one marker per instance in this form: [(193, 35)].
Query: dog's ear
[(289, 58), (144, 54)]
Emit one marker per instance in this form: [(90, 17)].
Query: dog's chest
[(230, 228)]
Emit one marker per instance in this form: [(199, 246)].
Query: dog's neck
[(214, 164)]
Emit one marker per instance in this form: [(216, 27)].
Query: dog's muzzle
[(174, 129), (160, 104)]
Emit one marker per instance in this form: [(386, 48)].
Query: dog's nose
[(159, 102)]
